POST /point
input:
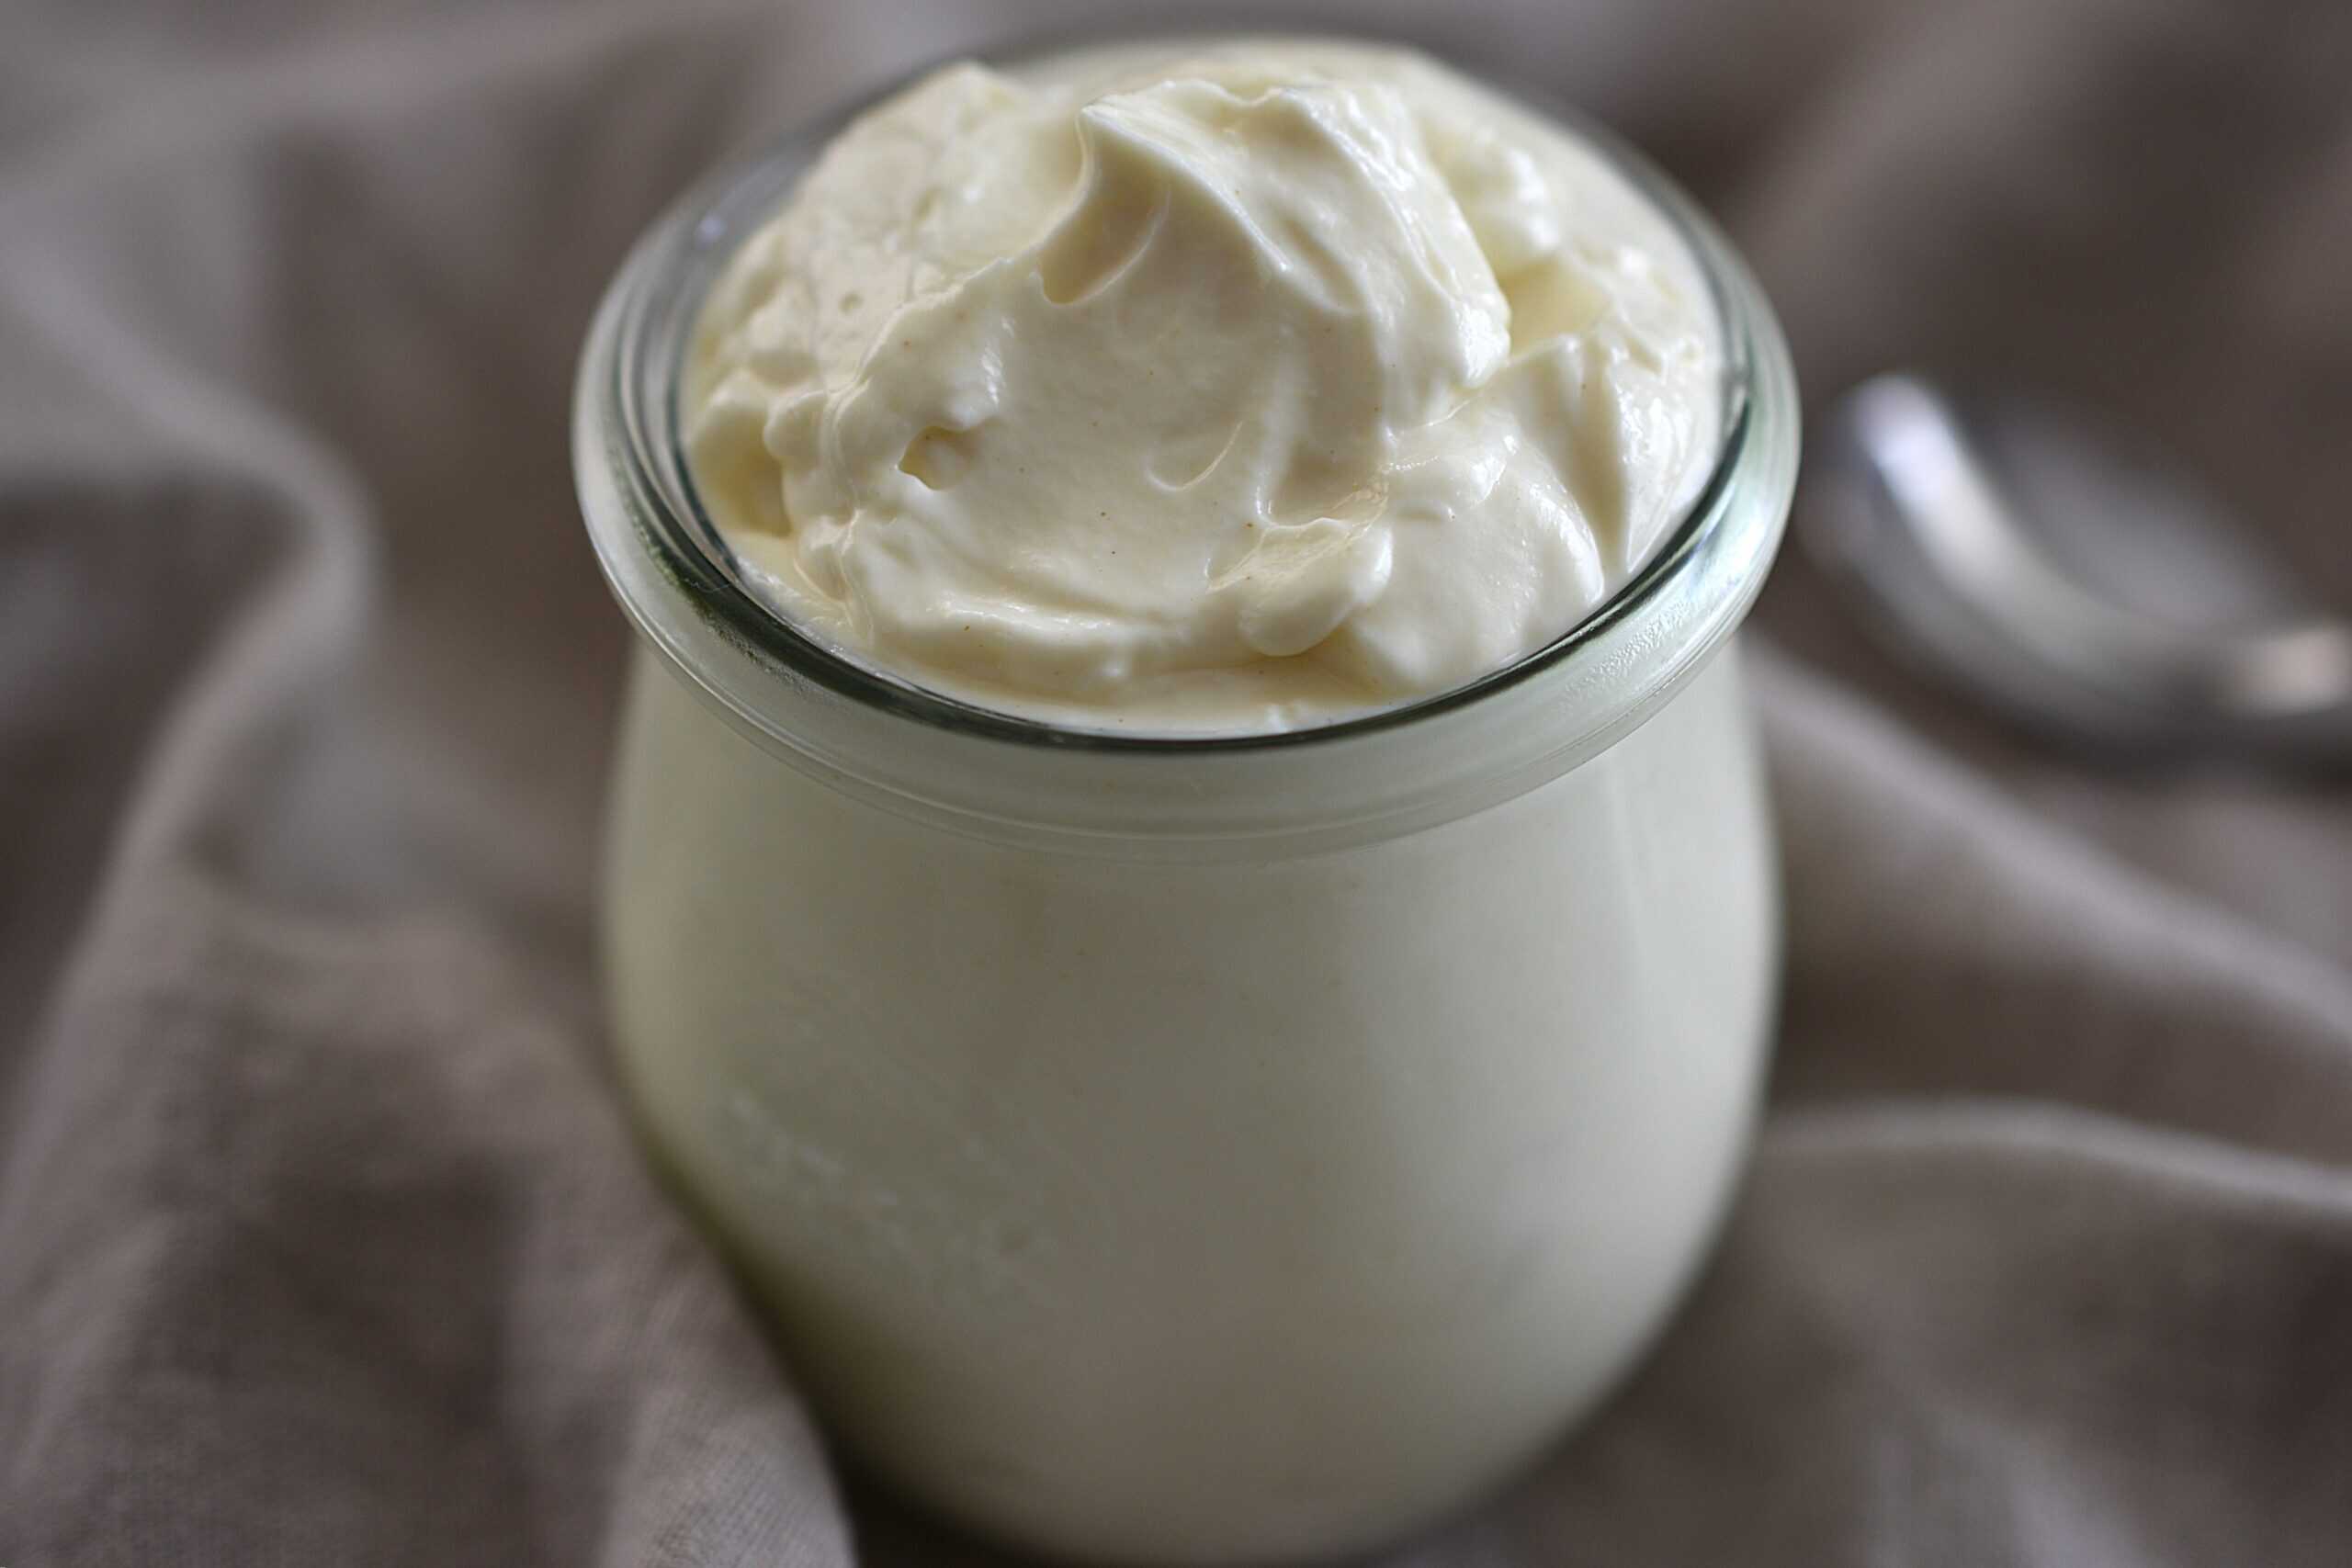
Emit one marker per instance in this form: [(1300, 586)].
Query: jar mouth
[(660, 295)]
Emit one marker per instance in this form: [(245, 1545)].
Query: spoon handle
[(1906, 510)]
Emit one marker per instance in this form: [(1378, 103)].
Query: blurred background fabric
[(321, 1239)]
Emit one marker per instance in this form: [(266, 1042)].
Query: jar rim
[(659, 547)]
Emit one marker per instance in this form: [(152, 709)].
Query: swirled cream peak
[(1231, 388)]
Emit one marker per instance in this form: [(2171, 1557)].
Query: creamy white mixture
[(1232, 1212), (1229, 389), (1201, 1207)]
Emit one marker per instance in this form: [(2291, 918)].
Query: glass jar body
[(1236, 1208)]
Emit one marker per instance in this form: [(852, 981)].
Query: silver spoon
[(1914, 505)]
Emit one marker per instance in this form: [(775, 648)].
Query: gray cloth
[(322, 1240)]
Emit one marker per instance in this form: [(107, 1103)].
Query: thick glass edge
[(670, 521)]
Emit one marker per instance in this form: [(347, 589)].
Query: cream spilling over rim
[(1236, 389)]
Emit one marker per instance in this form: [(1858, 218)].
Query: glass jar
[(1187, 1150)]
